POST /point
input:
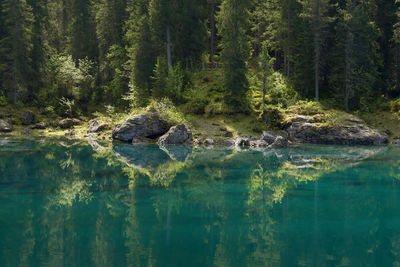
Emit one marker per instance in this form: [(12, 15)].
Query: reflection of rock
[(176, 135), (148, 125), (140, 156), (258, 144), (305, 130), (179, 153)]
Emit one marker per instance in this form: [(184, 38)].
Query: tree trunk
[(212, 30), (169, 48), (348, 68), (317, 43)]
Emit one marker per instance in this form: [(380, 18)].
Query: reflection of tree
[(131, 206)]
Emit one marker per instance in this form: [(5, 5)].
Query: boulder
[(302, 131), (40, 126), (280, 142), (396, 141), (76, 122), (5, 127), (242, 142), (148, 125), (268, 137), (66, 123), (28, 118), (26, 132), (177, 135), (96, 126), (208, 142), (228, 134), (11, 121)]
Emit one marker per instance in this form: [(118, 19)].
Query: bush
[(308, 108), (167, 110)]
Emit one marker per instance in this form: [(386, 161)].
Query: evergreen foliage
[(120, 52)]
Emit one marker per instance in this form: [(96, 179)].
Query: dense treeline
[(129, 51)]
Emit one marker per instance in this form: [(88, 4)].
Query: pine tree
[(82, 39), (141, 52), (233, 24), (16, 44)]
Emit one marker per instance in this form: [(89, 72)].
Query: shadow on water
[(101, 204)]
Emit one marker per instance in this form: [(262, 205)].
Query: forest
[(206, 56)]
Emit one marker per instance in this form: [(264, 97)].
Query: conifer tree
[(233, 25), (16, 44)]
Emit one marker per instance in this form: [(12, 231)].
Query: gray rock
[(346, 134), (396, 141), (70, 134), (40, 126), (280, 142), (11, 121), (96, 126), (177, 135), (228, 134), (28, 118), (208, 142), (5, 127), (242, 142), (66, 123), (268, 137), (76, 122), (148, 125), (26, 132), (284, 134)]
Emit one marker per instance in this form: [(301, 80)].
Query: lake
[(78, 203)]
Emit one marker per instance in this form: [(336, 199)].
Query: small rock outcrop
[(177, 135), (28, 118), (5, 127), (96, 126), (304, 130), (280, 142), (148, 125), (396, 141), (242, 142), (40, 126), (66, 123), (268, 137), (26, 132)]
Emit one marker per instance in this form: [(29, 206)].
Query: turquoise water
[(66, 203)]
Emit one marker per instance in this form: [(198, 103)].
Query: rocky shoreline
[(150, 127)]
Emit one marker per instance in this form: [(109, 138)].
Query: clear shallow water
[(65, 203)]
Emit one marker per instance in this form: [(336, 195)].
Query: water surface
[(68, 203)]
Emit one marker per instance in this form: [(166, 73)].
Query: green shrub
[(308, 108)]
